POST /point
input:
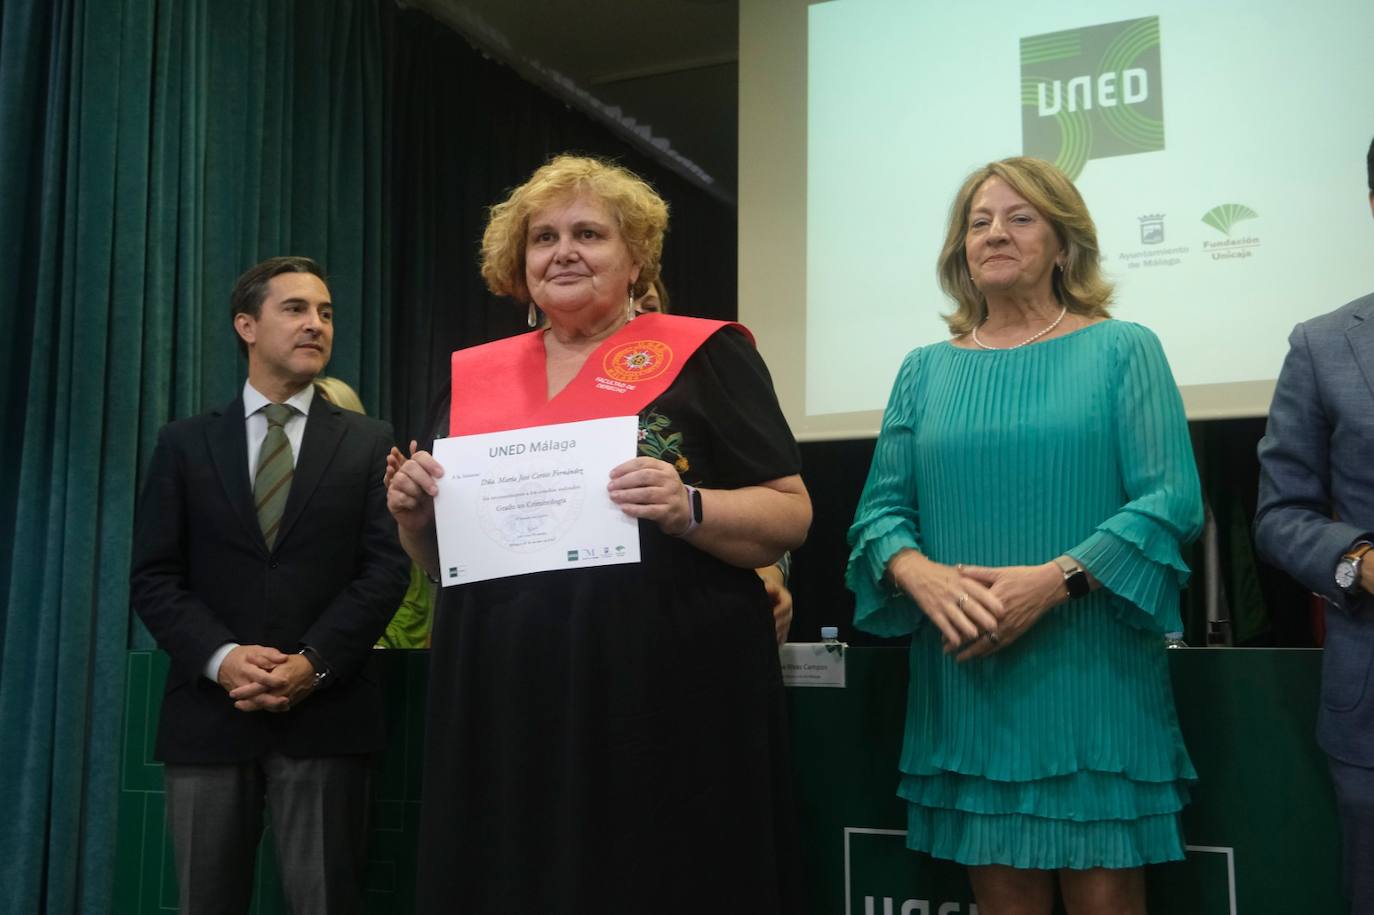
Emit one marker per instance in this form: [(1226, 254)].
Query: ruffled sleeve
[(1136, 553), (888, 517)]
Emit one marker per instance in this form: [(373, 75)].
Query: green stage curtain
[(149, 151)]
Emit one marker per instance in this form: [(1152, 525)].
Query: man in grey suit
[(266, 564), (1316, 522)]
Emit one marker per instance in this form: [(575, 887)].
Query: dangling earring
[(630, 307), (534, 315)]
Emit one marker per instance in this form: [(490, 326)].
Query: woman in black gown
[(611, 739)]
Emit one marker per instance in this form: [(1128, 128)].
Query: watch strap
[(322, 671), (1356, 552), (694, 507)]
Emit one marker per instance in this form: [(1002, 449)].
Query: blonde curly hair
[(1080, 286), (640, 215), (340, 393)]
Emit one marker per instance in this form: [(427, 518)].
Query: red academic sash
[(504, 385)]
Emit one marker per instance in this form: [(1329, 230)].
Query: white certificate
[(533, 500)]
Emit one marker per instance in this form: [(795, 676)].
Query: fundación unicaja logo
[(1224, 217), (1237, 245), (1092, 93)]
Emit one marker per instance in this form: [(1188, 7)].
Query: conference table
[(1261, 831)]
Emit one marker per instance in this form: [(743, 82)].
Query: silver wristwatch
[(1348, 569)]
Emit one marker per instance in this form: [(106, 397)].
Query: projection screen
[(1220, 148)]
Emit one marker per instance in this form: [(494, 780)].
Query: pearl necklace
[(1031, 339)]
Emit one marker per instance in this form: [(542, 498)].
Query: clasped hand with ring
[(962, 616), (989, 634)]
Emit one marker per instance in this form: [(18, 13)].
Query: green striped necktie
[(275, 469)]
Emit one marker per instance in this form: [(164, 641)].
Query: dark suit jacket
[(1316, 466), (202, 576)]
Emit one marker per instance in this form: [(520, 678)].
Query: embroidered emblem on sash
[(638, 361)]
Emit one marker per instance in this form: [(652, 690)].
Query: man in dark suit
[(266, 565), (1316, 522)]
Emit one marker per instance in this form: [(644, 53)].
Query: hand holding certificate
[(533, 500)]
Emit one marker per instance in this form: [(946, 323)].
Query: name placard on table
[(813, 664)]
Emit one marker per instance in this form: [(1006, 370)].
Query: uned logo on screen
[(1092, 93), (1134, 86)]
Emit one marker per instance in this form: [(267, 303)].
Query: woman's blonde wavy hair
[(339, 392), (640, 214), (1080, 285)]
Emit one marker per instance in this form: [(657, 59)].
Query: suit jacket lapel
[(228, 445), (323, 431), (1360, 335)]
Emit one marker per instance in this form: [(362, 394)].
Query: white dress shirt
[(255, 425), (256, 422)]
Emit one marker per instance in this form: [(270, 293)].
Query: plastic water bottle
[(830, 633), (1174, 640)]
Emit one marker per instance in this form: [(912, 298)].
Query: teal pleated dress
[(1063, 749)]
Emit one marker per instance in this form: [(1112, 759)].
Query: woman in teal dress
[(1030, 493)]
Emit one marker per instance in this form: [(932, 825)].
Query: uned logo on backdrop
[(1091, 93)]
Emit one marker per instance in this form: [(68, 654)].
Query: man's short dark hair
[(250, 289), (1369, 166)]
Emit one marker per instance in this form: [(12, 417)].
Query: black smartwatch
[(1075, 577)]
